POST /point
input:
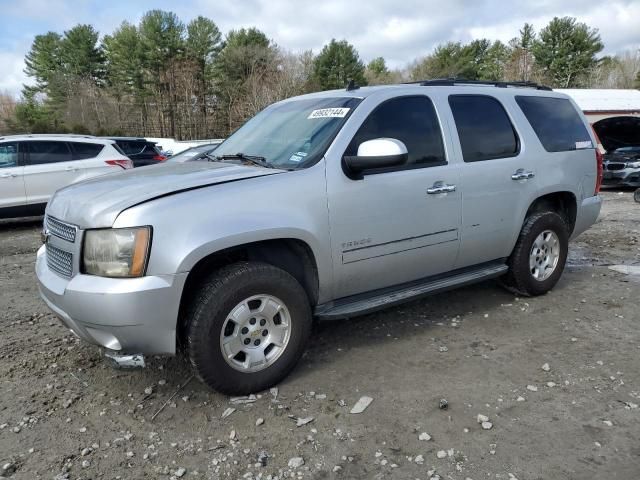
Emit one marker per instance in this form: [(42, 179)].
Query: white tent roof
[(604, 100)]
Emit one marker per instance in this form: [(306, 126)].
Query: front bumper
[(587, 214), (133, 315), (628, 177)]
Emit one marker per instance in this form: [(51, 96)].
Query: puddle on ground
[(579, 256)]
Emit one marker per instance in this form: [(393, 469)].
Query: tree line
[(165, 78)]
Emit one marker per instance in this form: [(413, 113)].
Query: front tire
[(538, 259), (247, 327)]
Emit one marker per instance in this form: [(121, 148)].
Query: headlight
[(116, 252), (633, 165)]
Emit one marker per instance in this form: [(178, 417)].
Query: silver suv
[(326, 205)]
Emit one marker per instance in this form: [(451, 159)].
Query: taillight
[(599, 166), (160, 158), (599, 159), (125, 164)]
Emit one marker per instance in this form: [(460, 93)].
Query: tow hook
[(125, 362)]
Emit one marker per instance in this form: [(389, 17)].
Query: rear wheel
[(538, 259), (247, 327)]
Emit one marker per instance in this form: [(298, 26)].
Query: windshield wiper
[(255, 159)]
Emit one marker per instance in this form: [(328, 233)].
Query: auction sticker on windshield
[(329, 113)]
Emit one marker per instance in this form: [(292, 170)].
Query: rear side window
[(556, 123), (48, 152), (85, 150), (413, 121), (484, 128), (8, 154)]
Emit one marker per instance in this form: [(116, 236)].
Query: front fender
[(189, 226)]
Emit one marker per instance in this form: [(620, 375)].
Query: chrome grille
[(60, 229), (59, 261), (615, 166)]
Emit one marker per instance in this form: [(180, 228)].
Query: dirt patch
[(65, 414)]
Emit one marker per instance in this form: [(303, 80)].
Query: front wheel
[(247, 327), (538, 259)]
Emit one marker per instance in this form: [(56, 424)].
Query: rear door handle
[(522, 174), (71, 169), (441, 187), (8, 175)]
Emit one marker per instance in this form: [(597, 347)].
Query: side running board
[(377, 300)]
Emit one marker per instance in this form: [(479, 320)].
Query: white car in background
[(33, 167)]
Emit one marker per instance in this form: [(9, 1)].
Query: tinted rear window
[(556, 123), (132, 147), (85, 150), (484, 128)]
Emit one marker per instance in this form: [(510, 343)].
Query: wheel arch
[(292, 255), (562, 202)]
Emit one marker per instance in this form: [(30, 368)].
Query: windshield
[(292, 134), (192, 153)]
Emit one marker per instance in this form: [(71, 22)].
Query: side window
[(8, 154), (556, 123), (413, 121), (41, 152), (83, 150), (484, 128)]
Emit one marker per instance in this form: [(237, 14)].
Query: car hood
[(96, 203)]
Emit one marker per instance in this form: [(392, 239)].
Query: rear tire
[(538, 259), (247, 327)]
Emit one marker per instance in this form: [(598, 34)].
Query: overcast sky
[(400, 31)]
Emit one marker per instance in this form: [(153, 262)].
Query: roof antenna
[(352, 85)]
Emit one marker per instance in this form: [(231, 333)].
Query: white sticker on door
[(329, 113)]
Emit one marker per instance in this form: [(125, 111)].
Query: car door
[(497, 177), (12, 193), (49, 166), (386, 228)]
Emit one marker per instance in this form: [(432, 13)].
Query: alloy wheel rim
[(544, 255), (255, 333)]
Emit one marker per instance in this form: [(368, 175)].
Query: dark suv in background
[(141, 151)]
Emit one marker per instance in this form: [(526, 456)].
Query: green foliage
[(378, 66), (566, 51), (477, 60), (161, 39), (337, 63), (43, 59), (123, 54), (33, 116), (163, 77), (245, 51), (203, 40), (80, 54)]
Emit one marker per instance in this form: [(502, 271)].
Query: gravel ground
[(558, 378)]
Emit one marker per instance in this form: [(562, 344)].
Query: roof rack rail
[(450, 82)]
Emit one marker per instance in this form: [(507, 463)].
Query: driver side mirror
[(374, 154)]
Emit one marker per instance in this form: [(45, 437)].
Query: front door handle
[(8, 175), (441, 187), (72, 169), (522, 174)]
